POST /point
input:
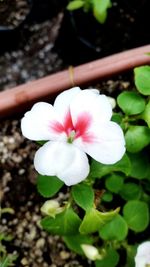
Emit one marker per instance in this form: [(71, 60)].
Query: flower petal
[(36, 123), (144, 249), (64, 160), (93, 104), (63, 100), (143, 255), (107, 144)]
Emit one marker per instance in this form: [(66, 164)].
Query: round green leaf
[(140, 167), (99, 170), (117, 229), (48, 186), (146, 114), (130, 191), (114, 183), (137, 137), (65, 223), (142, 79), (131, 103), (116, 117), (107, 197), (83, 195), (136, 214), (111, 259)]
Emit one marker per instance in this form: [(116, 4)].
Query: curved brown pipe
[(21, 97)]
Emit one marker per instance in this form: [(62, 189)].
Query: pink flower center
[(74, 131)]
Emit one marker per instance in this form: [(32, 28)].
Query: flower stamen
[(71, 137)]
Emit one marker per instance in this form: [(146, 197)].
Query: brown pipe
[(21, 97)]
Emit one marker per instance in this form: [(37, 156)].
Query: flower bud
[(51, 208), (112, 101), (91, 252)]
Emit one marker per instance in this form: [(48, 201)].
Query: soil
[(34, 57), (13, 12), (126, 26), (18, 178)]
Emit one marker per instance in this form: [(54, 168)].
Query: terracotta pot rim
[(21, 97)]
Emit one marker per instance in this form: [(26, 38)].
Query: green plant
[(6, 259), (97, 7), (112, 203)]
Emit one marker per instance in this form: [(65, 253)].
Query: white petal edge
[(63, 100), (144, 248), (64, 160), (143, 254), (108, 144), (91, 102), (35, 124)]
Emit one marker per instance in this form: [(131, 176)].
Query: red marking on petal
[(88, 138), (83, 124), (82, 128), (57, 127), (68, 124)]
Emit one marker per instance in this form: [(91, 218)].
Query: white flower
[(91, 252), (142, 258), (78, 123)]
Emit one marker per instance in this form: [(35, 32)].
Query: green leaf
[(131, 252), (83, 195), (99, 170), (137, 137), (130, 191), (142, 79), (117, 229), (100, 9), (76, 4), (8, 260), (111, 259), (136, 214), (65, 223), (48, 186), (102, 5), (107, 197), (41, 142), (101, 17), (131, 103), (116, 117), (94, 220), (146, 114), (140, 167), (74, 242), (114, 183)]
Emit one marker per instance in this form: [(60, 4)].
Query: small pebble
[(24, 261), (40, 243), (64, 255)]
